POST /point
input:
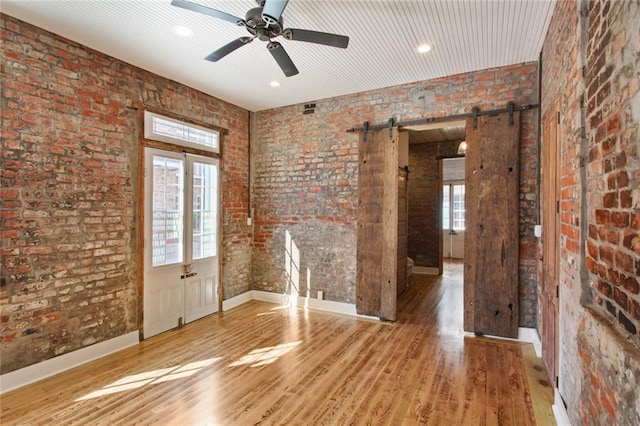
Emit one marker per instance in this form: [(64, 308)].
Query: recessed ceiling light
[(274, 83), (424, 48), (182, 31)]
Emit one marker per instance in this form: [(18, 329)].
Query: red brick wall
[(305, 176), (600, 172), (613, 240), (425, 199), (68, 170)]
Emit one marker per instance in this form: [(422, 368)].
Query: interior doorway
[(490, 206), (453, 209), (431, 233), (181, 239)]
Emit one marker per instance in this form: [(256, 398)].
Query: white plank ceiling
[(466, 35)]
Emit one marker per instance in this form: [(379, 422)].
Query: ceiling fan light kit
[(265, 23)]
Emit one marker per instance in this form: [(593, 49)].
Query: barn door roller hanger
[(366, 128), (475, 113)]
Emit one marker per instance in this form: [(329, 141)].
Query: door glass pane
[(205, 194), (168, 217), (458, 207), (445, 207)]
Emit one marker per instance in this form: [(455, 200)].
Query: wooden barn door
[(550, 231), (377, 247), (491, 238)]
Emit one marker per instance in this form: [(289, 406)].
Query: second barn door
[(377, 246), (492, 235)]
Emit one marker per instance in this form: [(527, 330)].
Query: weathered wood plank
[(376, 257), (491, 235), (389, 297)]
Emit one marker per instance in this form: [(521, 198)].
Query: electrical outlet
[(537, 231)]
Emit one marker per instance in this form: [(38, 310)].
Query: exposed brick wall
[(613, 241), (68, 170), (305, 174), (600, 357), (305, 182), (425, 200)]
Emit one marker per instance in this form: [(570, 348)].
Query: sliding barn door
[(377, 247), (491, 237), (548, 294)]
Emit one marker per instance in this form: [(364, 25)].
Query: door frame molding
[(143, 143)]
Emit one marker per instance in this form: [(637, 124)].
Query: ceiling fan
[(265, 23)]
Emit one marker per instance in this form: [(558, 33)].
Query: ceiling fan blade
[(316, 37), (282, 58), (228, 48), (272, 10), (207, 11)]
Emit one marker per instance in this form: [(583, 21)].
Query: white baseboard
[(285, 299), (524, 335), (426, 270), (302, 302), (370, 318), (236, 301), (306, 302), (531, 335), (270, 297), (32, 373), (328, 306), (559, 410)]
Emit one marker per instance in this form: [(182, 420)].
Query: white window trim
[(149, 133)]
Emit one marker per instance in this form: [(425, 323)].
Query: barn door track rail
[(475, 113)]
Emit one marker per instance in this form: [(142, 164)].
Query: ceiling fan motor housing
[(259, 27)]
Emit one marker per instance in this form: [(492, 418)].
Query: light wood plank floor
[(265, 364)]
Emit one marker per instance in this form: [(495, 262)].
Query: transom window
[(165, 129)]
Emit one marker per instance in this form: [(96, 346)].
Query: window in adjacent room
[(453, 210)]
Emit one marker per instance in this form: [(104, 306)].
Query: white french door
[(181, 234)]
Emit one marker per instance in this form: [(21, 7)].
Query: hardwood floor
[(453, 268), (265, 364)]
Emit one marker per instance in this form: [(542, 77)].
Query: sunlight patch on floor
[(136, 381), (264, 356)]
